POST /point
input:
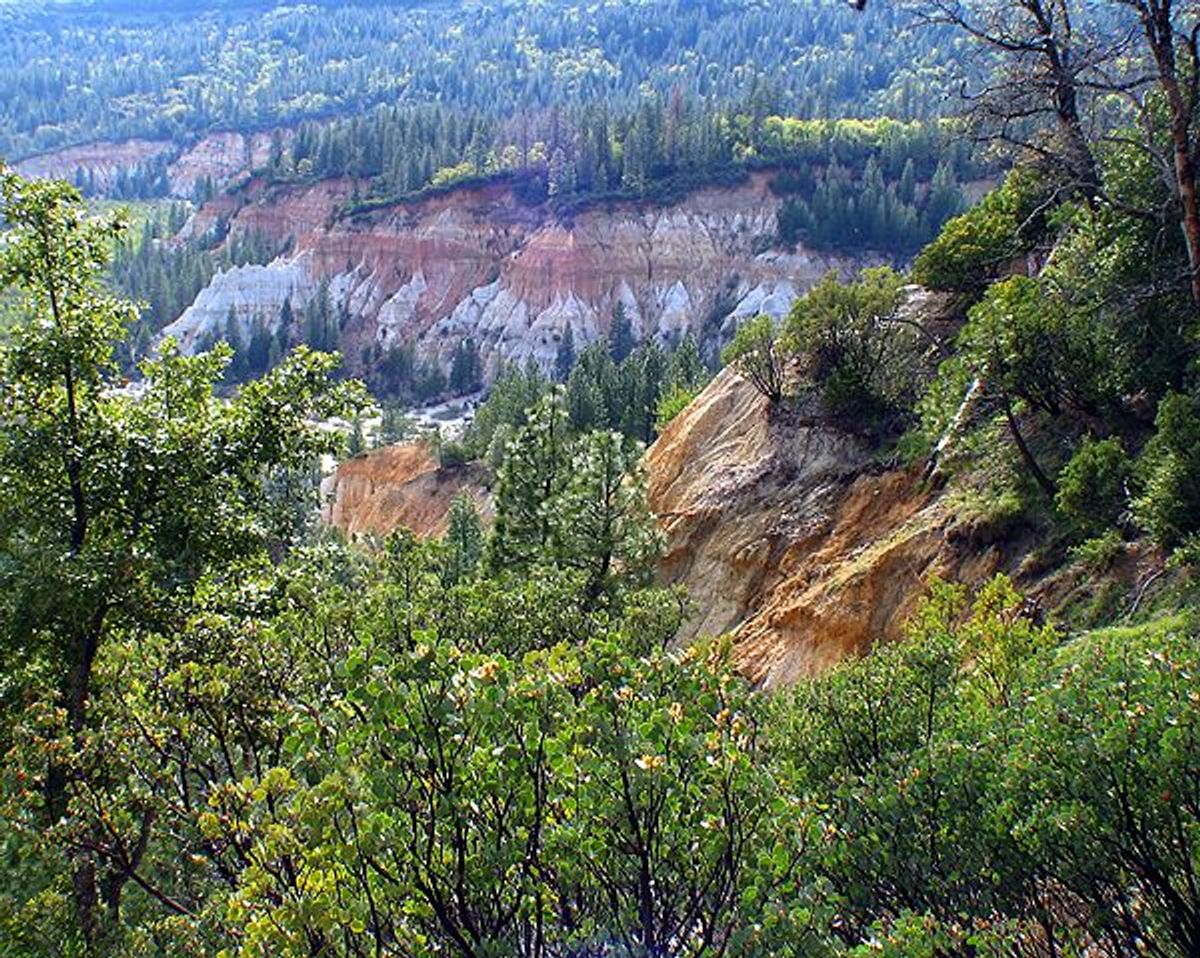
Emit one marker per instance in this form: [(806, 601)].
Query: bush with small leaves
[(755, 354), (1093, 487), (1169, 506)]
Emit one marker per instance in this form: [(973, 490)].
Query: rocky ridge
[(219, 158), (786, 533), (478, 263)]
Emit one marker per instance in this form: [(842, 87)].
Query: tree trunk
[(1031, 463), (1185, 176), (1159, 29), (75, 693)]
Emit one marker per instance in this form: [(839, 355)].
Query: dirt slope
[(395, 486), (789, 536)]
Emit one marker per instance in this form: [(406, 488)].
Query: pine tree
[(394, 426), (532, 475), (465, 368), (286, 318), (258, 353), (463, 541), (602, 524), (564, 360), (557, 173), (620, 334), (356, 442), (906, 192), (685, 368)]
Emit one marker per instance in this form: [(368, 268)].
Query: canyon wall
[(789, 535), (382, 490), (219, 158), (784, 533), (478, 263), (103, 161)]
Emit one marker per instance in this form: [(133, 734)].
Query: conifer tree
[(564, 359), (464, 368), (602, 525), (532, 475), (620, 334), (464, 540)]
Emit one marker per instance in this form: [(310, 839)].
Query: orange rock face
[(785, 535), (398, 486)]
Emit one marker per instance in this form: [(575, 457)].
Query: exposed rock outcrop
[(476, 262), (784, 532), (219, 159), (101, 162), (395, 486), (788, 535)]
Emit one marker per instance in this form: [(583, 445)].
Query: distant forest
[(71, 73)]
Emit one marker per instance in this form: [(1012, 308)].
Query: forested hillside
[(80, 72)]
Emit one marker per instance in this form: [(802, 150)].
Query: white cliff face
[(248, 294), (399, 311), (474, 263)]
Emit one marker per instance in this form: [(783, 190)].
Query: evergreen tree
[(236, 370), (356, 442), (686, 368), (564, 359), (258, 353), (465, 368), (463, 540), (602, 524), (394, 425), (532, 475), (620, 334)]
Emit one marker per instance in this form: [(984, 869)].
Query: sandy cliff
[(785, 532), (218, 158), (395, 486), (476, 262)]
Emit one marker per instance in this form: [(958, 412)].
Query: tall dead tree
[(1169, 30), (1033, 92)]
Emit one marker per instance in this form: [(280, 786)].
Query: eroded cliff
[(785, 532), (478, 263), (375, 493), (216, 159)]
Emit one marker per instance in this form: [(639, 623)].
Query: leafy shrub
[(451, 453), (671, 404), (972, 249), (1092, 487), (1169, 507), (755, 355), (1100, 552), (864, 362), (1049, 353)]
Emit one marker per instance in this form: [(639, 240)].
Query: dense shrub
[(1169, 507), (976, 247), (1093, 486), (756, 355), (864, 362)]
